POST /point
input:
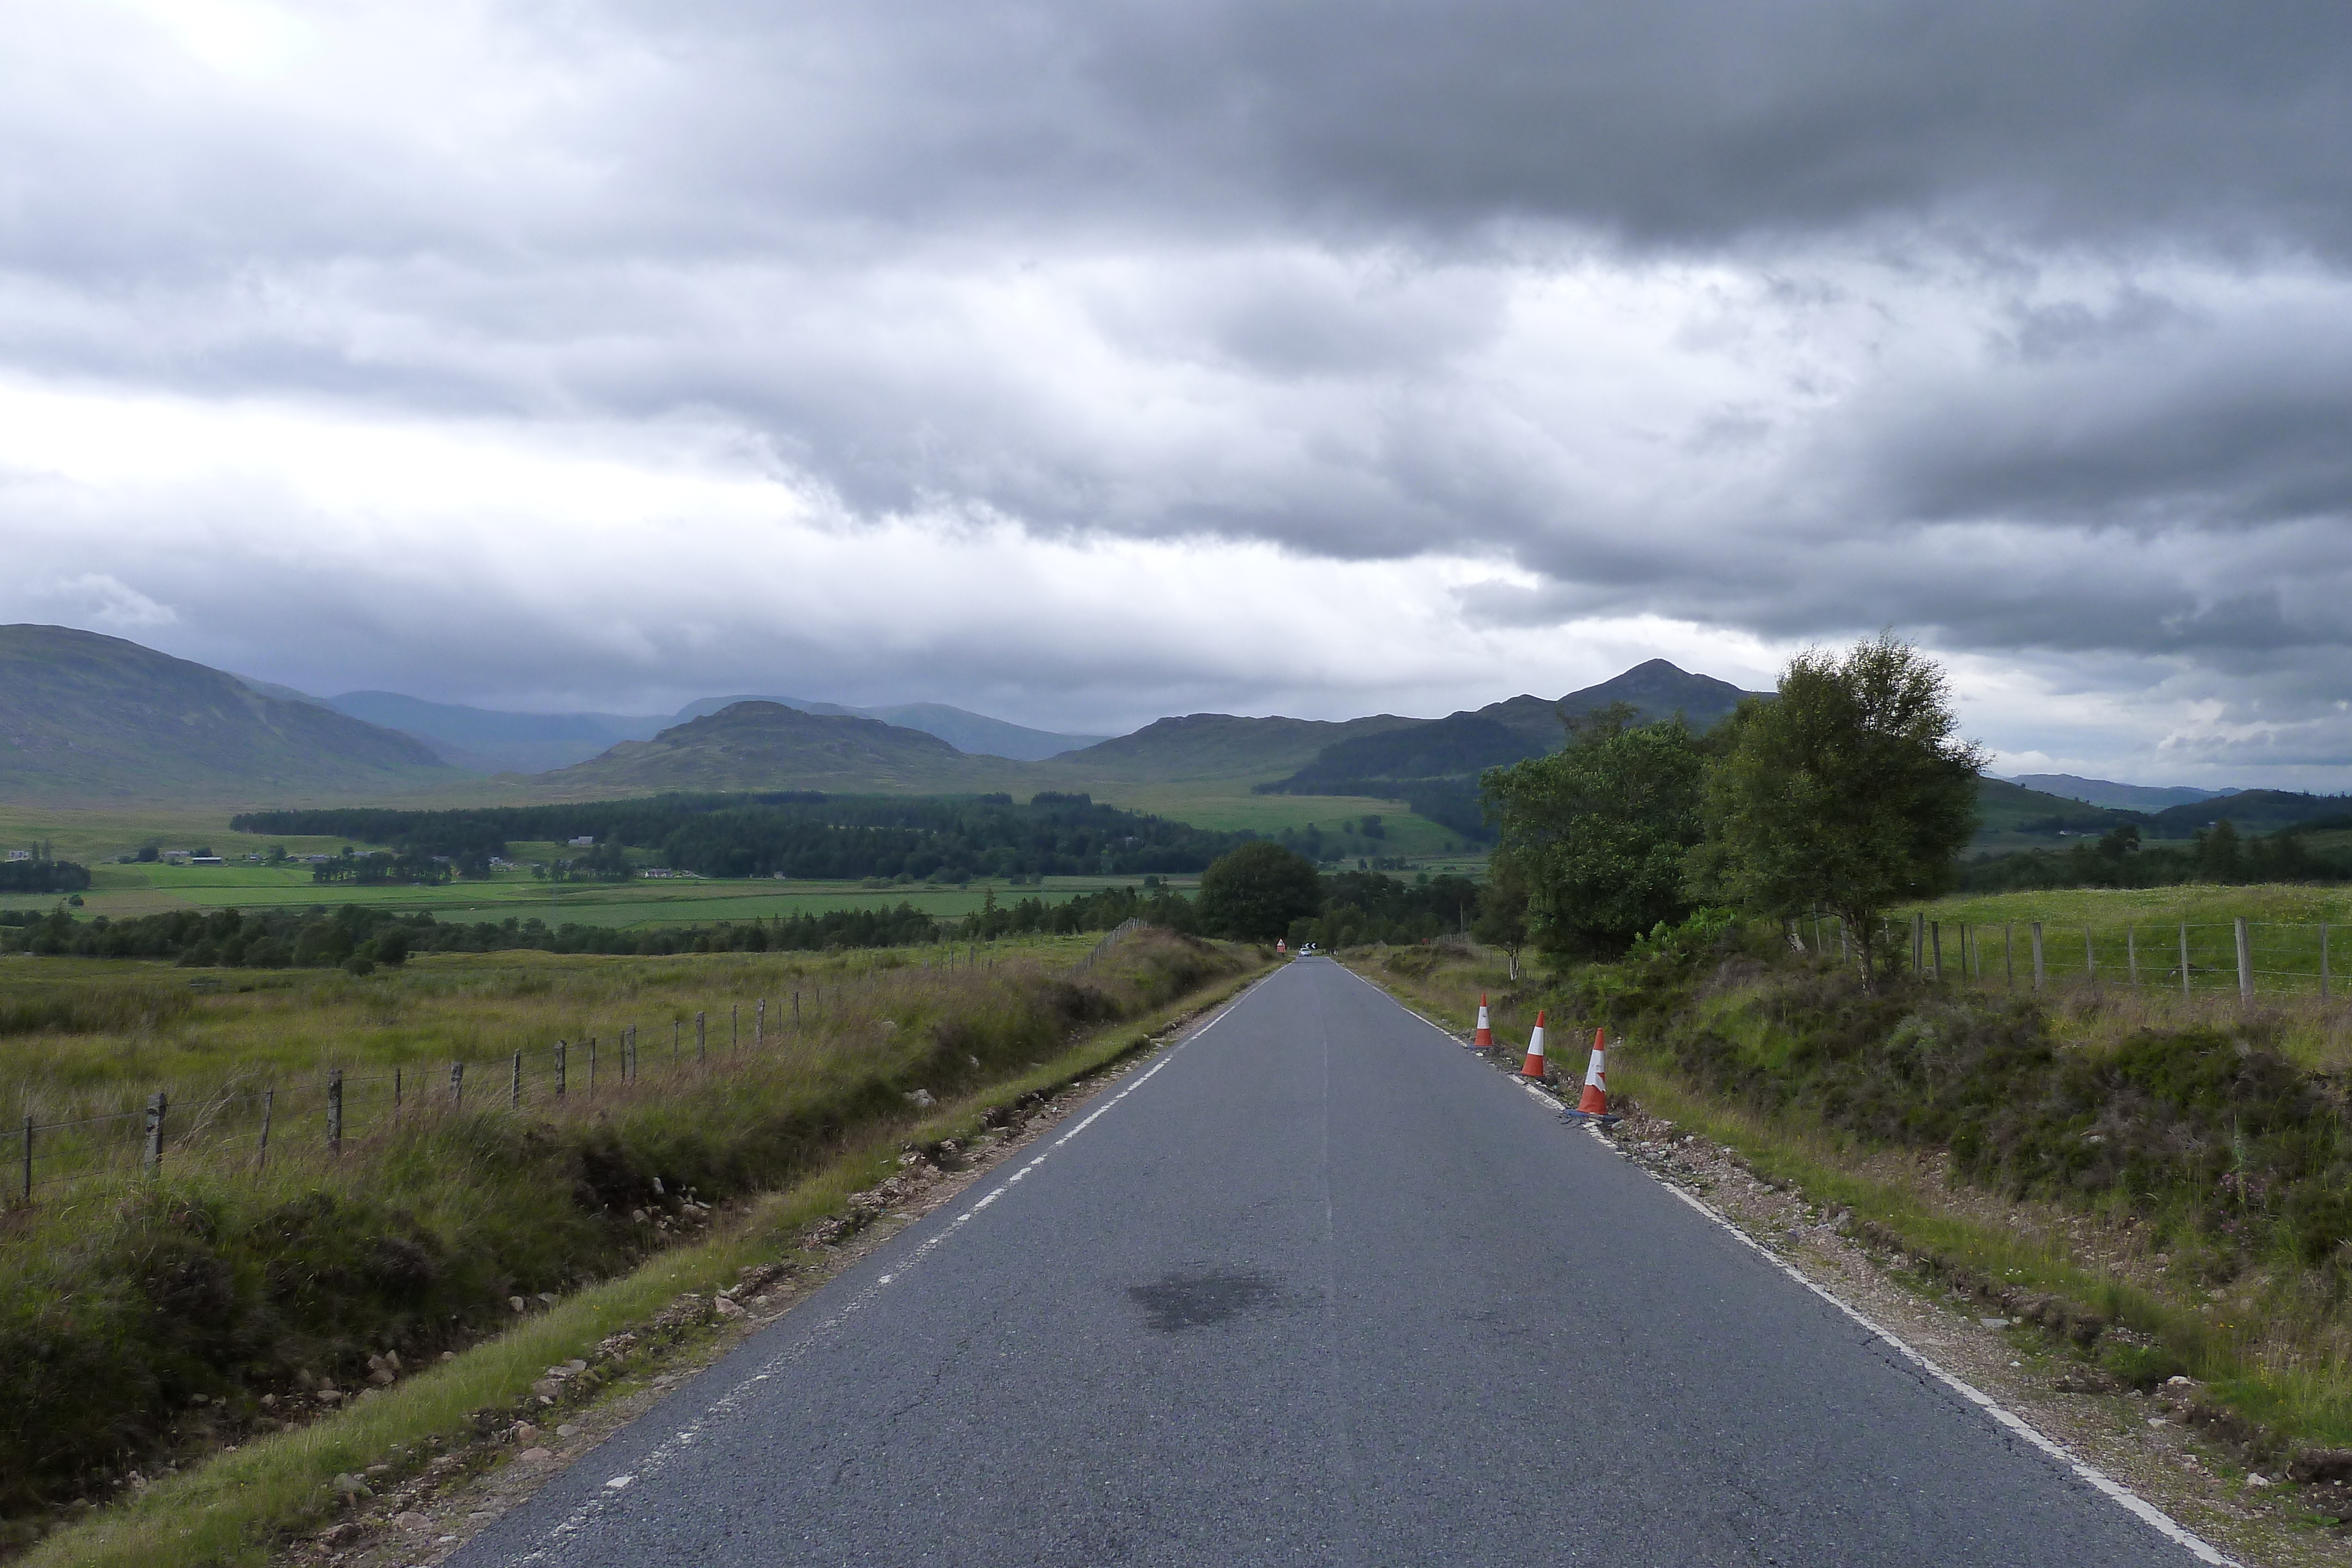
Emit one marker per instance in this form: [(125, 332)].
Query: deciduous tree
[(1596, 832), (1848, 791), (1255, 892)]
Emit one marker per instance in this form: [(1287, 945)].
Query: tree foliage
[(1596, 834), (1847, 792), (1255, 892)]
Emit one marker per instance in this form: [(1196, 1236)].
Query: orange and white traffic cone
[(1594, 1102), (1535, 1065), (1485, 1038)]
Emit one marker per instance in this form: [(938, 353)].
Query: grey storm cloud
[(2024, 327)]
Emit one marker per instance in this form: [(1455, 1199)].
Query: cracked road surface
[(1318, 1287)]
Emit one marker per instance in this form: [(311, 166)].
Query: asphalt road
[(1319, 1289)]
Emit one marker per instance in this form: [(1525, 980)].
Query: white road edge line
[(2147, 1512), (732, 1400)]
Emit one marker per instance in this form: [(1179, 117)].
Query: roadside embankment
[(2164, 1202), (146, 1323)]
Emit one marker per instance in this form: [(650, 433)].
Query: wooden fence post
[(1918, 943), (396, 1087), (335, 1112), (759, 1025), (151, 1160), (1936, 945), (2131, 955), (591, 1065), (2246, 963), (269, 1107), (735, 1026), (456, 1084), (2184, 960), (559, 1070), (2037, 955), (29, 1159), (2090, 958), (698, 1038), (514, 1085), (796, 1009)]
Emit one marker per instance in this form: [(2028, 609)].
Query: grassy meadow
[(145, 1315), (131, 890), (2112, 957)]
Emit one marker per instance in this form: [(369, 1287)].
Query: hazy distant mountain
[(486, 741), (1658, 690), (1460, 746), (85, 718), (1217, 746), (2106, 792), (960, 727), (773, 746), (1433, 765), (981, 735)]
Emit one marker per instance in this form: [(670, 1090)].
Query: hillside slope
[(2107, 793), (87, 719), (1215, 746), (489, 741), (768, 745), (1657, 690)]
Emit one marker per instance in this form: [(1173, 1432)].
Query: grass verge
[(236, 1508), (2160, 1197)]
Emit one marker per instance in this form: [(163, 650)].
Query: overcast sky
[(1085, 360)]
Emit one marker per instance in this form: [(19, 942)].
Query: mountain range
[(2106, 792), (487, 741), (89, 720), (85, 718)]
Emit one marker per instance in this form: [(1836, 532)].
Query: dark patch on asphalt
[(1199, 1298)]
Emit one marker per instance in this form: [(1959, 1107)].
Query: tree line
[(358, 938), (2119, 858), (41, 873), (795, 834)]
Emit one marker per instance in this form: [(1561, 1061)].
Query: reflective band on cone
[(1485, 1038), (1534, 1066), (1595, 1099)]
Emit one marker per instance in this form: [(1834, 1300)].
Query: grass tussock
[(142, 1320), (2160, 1182)]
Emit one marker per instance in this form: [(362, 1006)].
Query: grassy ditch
[(236, 1508), (148, 1322), (2162, 1194)]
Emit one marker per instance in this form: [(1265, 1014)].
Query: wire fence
[(318, 1117), (2250, 960), (1111, 938)]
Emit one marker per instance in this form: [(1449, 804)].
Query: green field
[(1230, 807), (2116, 939), (121, 891), (94, 837)]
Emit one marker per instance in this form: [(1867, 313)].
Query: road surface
[(1319, 1287)]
